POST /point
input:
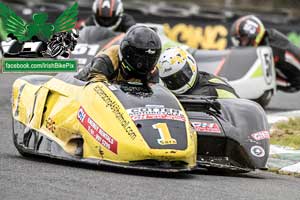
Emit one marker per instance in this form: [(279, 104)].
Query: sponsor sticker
[(206, 127), (112, 88), (81, 114), (116, 109), (158, 106), (50, 125), (250, 27), (97, 132), (257, 151), (155, 112), (261, 135)]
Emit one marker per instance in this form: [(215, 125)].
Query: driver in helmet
[(133, 60), (250, 31), (110, 14), (179, 73)]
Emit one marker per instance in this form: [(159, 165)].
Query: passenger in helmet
[(133, 60), (179, 73), (250, 31), (247, 31), (110, 14)]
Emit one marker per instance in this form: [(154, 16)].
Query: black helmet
[(108, 13), (139, 51), (247, 31)]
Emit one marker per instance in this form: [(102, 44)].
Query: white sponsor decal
[(157, 106), (81, 115), (155, 112), (82, 49), (112, 88), (149, 51), (97, 132), (106, 4), (257, 151), (250, 27), (261, 135)]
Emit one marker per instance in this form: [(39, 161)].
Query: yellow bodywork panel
[(67, 113), (38, 107)]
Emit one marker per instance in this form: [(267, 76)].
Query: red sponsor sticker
[(206, 127), (97, 132), (261, 135)]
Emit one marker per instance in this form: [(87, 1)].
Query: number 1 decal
[(165, 136)]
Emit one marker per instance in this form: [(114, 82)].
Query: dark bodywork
[(231, 148)]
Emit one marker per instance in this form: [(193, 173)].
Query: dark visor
[(179, 79), (108, 21), (141, 61)]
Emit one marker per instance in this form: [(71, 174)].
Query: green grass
[(286, 133)]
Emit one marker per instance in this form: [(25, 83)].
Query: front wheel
[(18, 128)]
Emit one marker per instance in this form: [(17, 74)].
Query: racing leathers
[(126, 22), (106, 66), (213, 86), (286, 59)]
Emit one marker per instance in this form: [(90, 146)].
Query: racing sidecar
[(250, 71), (233, 134), (120, 125)]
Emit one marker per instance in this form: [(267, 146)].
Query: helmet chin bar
[(128, 72), (124, 72), (112, 27), (235, 41), (187, 86), (240, 41)]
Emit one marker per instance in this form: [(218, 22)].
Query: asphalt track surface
[(24, 178), (282, 102)]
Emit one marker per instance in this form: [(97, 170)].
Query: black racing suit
[(106, 66), (286, 59), (126, 22), (210, 85)]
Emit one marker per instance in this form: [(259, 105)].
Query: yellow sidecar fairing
[(100, 123)]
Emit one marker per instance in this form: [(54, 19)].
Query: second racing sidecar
[(233, 134)]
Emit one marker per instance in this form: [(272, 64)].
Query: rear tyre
[(264, 99)]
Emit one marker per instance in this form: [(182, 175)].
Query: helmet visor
[(142, 61), (107, 21), (242, 41), (178, 79)]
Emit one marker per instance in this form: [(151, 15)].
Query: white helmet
[(177, 69)]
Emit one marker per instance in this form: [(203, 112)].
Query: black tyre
[(15, 132), (264, 99)]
